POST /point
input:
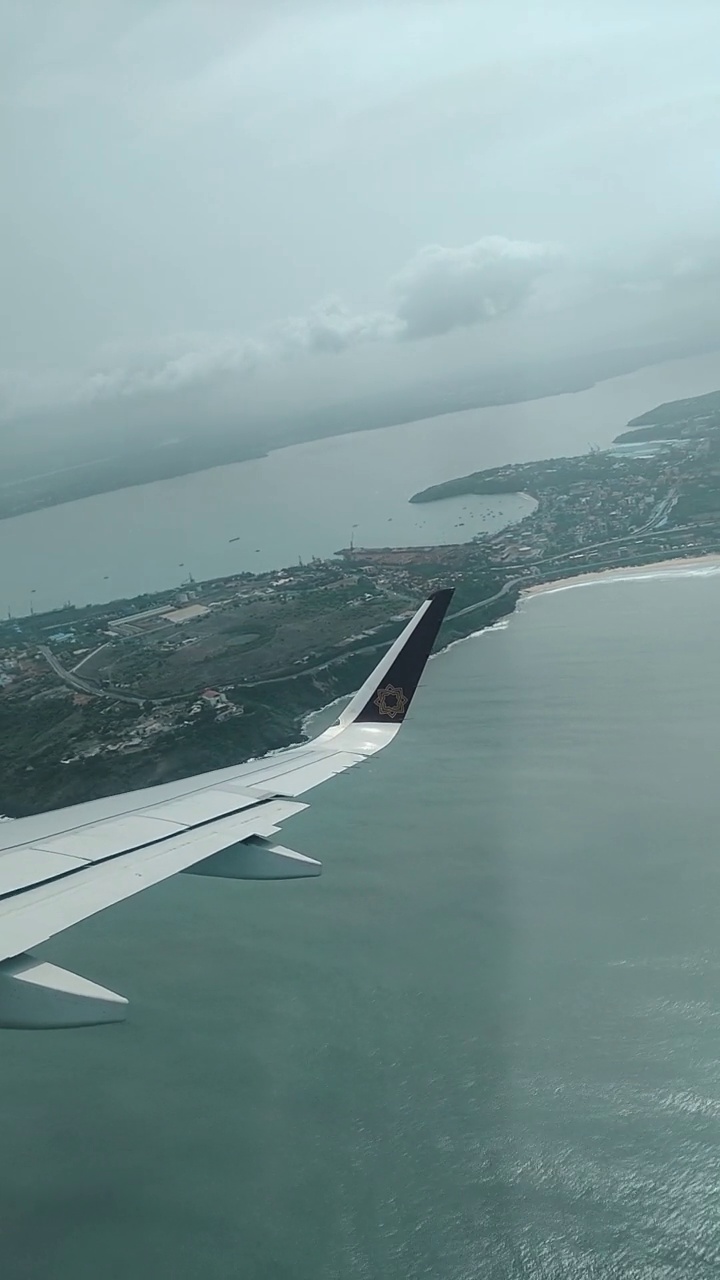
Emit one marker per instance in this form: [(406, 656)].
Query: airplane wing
[(59, 868)]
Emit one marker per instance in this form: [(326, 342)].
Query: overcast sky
[(304, 196)]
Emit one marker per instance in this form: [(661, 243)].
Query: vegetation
[(674, 412)]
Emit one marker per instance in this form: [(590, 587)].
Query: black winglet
[(386, 695)]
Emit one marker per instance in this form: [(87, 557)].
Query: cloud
[(443, 289), (210, 357), (439, 290), (171, 365), (333, 327)]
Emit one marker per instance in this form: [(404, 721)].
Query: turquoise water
[(484, 1044)]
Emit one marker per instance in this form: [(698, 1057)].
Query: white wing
[(61, 867)]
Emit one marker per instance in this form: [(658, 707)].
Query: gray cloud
[(439, 290), (333, 327), (444, 289), (177, 363)]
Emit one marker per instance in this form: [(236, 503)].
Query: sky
[(265, 202)]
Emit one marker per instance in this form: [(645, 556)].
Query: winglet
[(385, 697)]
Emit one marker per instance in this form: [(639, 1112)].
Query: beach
[(629, 573)]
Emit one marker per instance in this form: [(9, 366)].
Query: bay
[(311, 499), (484, 1044)]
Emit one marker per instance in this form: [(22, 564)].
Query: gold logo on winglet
[(390, 701)]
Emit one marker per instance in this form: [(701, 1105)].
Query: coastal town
[(104, 697)]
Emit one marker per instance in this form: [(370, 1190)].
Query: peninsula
[(109, 697)]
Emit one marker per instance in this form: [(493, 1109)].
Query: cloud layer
[(439, 290), (185, 180)]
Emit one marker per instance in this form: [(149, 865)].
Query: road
[(88, 686), (481, 604)]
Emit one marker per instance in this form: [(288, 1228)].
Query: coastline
[(298, 706), (628, 573), (632, 573)]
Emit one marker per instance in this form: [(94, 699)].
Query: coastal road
[(481, 604), (88, 686)]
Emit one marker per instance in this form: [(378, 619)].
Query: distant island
[(113, 696)]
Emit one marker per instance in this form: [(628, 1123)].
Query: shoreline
[(633, 573), (677, 567)]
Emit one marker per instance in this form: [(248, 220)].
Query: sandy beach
[(691, 564)]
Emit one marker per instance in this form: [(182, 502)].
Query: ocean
[(484, 1044)]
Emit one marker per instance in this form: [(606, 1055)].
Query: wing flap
[(32, 917), (30, 866), (201, 806), (39, 827), (51, 856), (113, 835)]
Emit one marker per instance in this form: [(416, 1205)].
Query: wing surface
[(59, 868)]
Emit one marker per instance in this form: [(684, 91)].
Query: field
[(239, 643)]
